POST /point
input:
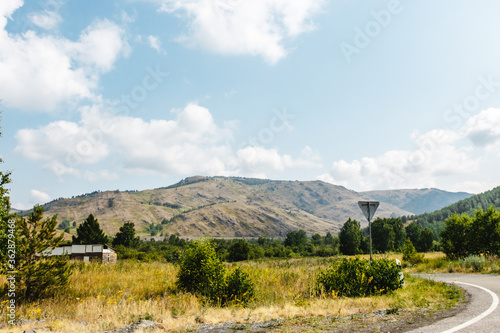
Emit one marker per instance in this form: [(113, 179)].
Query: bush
[(477, 263), (356, 278), (239, 288), (201, 272), (410, 254)]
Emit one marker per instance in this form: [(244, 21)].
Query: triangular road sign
[(369, 208)]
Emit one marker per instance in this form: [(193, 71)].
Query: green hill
[(435, 220)]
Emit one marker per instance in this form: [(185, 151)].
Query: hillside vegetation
[(436, 220)]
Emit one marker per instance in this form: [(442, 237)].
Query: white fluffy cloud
[(483, 129), (155, 43), (40, 72), (38, 197), (236, 27), (437, 154), (48, 20), (191, 143)]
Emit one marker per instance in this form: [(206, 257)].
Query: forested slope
[(435, 220)]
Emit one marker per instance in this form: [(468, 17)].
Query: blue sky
[(137, 94)]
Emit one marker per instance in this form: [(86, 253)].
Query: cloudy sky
[(137, 94)]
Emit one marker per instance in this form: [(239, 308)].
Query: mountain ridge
[(201, 206)]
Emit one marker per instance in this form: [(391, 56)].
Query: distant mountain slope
[(435, 220), (418, 201), (222, 207)]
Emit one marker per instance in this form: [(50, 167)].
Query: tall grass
[(105, 297)]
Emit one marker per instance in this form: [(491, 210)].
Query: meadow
[(106, 297)]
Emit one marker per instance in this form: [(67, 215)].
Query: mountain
[(418, 201), (435, 220), (222, 207)]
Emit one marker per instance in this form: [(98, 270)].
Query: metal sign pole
[(370, 227)]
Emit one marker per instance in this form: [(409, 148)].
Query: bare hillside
[(223, 207)]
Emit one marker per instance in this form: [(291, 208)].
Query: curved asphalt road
[(482, 313)]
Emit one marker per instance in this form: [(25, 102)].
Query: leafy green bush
[(239, 288), (201, 272), (355, 278), (410, 254)]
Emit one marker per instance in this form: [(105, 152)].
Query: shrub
[(355, 278), (239, 288), (410, 254), (201, 272), (477, 263)]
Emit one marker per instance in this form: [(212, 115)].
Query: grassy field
[(438, 263), (106, 297)]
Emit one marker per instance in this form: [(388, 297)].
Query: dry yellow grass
[(105, 297)]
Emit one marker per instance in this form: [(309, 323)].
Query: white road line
[(492, 308)]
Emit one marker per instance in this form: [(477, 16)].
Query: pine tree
[(126, 236), (38, 275), (89, 232)]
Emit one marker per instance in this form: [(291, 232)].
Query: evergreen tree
[(328, 238), (126, 236), (350, 237), (39, 275), (4, 216), (89, 232)]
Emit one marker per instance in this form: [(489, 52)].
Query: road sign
[(368, 208)]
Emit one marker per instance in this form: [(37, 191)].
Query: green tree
[(455, 237), (89, 232), (350, 237), (126, 236), (328, 238), (4, 216), (63, 225), (39, 275), (238, 250), (388, 234), (425, 240), (485, 232), (296, 238), (413, 232)]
